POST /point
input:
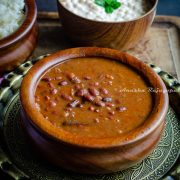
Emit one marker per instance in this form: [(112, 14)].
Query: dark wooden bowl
[(92, 155), (118, 35), (17, 47)]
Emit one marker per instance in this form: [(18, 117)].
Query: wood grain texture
[(90, 154), (17, 47), (91, 161), (117, 35), (160, 46)]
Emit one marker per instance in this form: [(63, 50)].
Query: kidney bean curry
[(94, 97)]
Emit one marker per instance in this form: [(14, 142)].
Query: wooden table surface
[(160, 46)]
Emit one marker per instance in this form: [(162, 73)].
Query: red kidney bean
[(107, 99), (81, 92), (47, 98), (63, 83), (99, 103), (96, 84), (54, 91), (108, 104), (77, 87), (96, 120), (97, 110), (76, 80), (52, 104), (66, 97), (46, 79), (91, 108), (88, 97), (121, 109), (80, 105), (93, 91), (51, 85), (87, 77), (74, 103), (70, 76), (111, 112), (68, 109), (104, 91)]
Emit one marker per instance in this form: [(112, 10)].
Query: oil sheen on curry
[(93, 97)]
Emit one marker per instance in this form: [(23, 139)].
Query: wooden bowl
[(92, 155), (17, 47), (118, 35)]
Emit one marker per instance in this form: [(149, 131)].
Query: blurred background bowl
[(118, 35), (17, 47)]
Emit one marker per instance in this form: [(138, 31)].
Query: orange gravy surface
[(94, 97)]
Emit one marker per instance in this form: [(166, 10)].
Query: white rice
[(130, 9), (11, 16)]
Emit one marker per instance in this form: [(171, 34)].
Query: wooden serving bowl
[(17, 47), (118, 35), (92, 155)]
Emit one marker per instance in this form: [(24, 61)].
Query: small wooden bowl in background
[(85, 154), (118, 35), (17, 47)]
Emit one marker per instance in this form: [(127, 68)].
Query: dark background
[(165, 7)]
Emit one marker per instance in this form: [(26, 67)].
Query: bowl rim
[(112, 22), (37, 120), (25, 27)]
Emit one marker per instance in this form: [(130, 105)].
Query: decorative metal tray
[(20, 161)]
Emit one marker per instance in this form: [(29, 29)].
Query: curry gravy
[(94, 97)]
